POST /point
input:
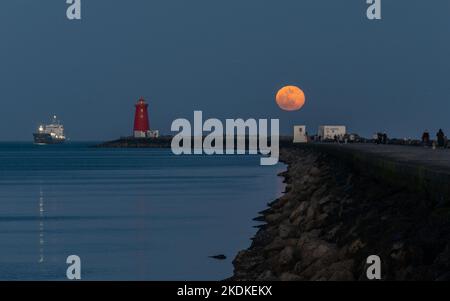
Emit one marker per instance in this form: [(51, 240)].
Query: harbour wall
[(344, 203)]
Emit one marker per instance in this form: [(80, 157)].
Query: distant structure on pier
[(141, 121), (300, 135), (331, 132)]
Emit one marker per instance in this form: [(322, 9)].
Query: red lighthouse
[(141, 123)]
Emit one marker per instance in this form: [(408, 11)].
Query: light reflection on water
[(129, 214)]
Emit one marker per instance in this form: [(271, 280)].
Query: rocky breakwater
[(331, 218), (131, 142)]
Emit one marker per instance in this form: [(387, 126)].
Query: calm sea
[(130, 214)]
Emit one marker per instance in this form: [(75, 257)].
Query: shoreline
[(331, 217)]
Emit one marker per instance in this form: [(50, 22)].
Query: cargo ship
[(52, 133)]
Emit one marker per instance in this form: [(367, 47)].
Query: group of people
[(380, 138), (441, 139)]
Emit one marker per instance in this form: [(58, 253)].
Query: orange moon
[(290, 98)]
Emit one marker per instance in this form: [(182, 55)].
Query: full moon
[(290, 98)]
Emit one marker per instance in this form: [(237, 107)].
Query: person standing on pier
[(379, 138), (426, 138), (384, 138), (440, 138), (375, 138)]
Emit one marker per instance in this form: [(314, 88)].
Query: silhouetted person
[(379, 138), (384, 138), (440, 138), (375, 138), (426, 138)]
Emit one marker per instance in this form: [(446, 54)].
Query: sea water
[(129, 214)]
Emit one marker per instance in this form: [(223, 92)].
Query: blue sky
[(224, 57)]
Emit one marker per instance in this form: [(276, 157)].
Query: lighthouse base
[(147, 134)]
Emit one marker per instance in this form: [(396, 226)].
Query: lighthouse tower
[(141, 127)]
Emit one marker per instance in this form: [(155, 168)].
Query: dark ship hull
[(43, 138)]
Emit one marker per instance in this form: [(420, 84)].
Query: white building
[(329, 132), (300, 134), (153, 134), (148, 134), (139, 134)]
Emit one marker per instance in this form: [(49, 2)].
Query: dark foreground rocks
[(331, 219)]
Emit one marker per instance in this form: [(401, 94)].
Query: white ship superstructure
[(52, 133)]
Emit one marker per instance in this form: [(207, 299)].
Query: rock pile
[(330, 220)]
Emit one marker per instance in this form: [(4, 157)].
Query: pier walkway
[(438, 159), (418, 168)]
